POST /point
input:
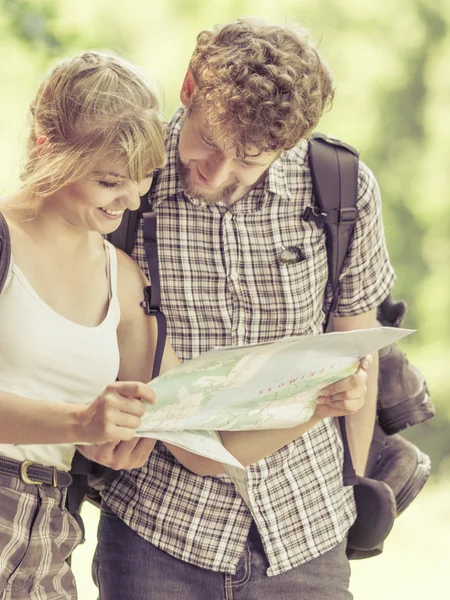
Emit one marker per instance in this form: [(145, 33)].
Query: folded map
[(259, 386)]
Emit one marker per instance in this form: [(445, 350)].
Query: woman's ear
[(187, 89), (40, 141)]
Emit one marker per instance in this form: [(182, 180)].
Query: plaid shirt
[(222, 284)]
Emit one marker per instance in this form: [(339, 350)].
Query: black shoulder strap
[(152, 293), (5, 251), (334, 173), (124, 238)]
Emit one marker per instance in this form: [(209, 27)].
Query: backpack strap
[(334, 174), (124, 238), (5, 251), (152, 293)]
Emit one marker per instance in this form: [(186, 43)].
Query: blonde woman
[(70, 317)]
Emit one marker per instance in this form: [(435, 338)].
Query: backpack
[(403, 398), (5, 251)]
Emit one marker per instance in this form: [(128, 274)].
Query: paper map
[(261, 386)]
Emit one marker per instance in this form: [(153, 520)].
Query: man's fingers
[(352, 394), (355, 381), (101, 453), (124, 449), (145, 444), (142, 451), (366, 362), (339, 408), (131, 454)]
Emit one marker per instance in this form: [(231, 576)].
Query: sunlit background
[(391, 63)]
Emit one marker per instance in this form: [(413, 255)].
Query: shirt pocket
[(298, 287)]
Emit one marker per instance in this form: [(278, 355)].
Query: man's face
[(214, 173)]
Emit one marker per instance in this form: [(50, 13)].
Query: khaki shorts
[(37, 535)]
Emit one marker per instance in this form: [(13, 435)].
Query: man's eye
[(108, 184), (207, 144)]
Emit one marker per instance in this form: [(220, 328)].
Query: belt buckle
[(24, 475)]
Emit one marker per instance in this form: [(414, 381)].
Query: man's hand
[(344, 397), (123, 455)]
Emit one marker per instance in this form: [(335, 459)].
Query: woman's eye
[(108, 184)]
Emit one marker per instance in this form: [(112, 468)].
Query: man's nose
[(217, 172)]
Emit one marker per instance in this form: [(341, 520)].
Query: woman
[(70, 317)]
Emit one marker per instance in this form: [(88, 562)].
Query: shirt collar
[(275, 181)]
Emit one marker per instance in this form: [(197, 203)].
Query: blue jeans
[(126, 567)]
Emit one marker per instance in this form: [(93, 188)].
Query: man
[(239, 265)]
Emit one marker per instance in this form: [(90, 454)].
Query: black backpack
[(5, 251)]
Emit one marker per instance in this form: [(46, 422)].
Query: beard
[(221, 195)]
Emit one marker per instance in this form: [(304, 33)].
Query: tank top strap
[(111, 268)]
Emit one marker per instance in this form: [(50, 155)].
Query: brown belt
[(34, 473)]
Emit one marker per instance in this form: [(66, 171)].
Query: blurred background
[(391, 64)]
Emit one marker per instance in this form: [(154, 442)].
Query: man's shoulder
[(366, 179)]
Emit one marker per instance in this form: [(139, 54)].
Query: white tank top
[(45, 356)]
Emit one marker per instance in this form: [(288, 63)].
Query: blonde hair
[(89, 108), (261, 86)]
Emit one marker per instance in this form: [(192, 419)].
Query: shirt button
[(234, 276), (228, 216), (241, 330)]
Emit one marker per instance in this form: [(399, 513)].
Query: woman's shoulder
[(5, 206), (131, 281), (10, 216), (127, 267), (12, 211)]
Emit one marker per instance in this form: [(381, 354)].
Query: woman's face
[(97, 201)]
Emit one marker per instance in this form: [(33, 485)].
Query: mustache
[(212, 198)]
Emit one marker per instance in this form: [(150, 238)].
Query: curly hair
[(89, 108), (263, 86)]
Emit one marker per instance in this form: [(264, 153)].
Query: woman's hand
[(115, 414)]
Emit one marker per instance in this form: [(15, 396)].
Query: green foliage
[(34, 23)]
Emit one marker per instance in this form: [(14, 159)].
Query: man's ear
[(187, 89)]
